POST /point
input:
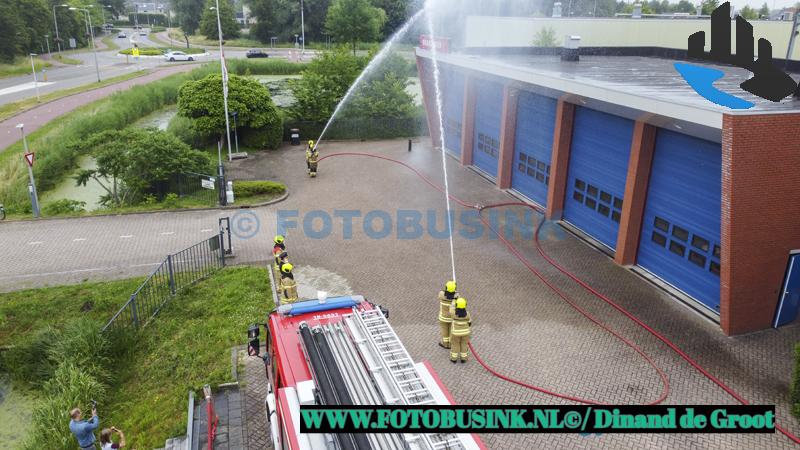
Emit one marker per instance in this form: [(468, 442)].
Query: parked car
[(177, 56), (256, 53), (122, 35), (142, 33)]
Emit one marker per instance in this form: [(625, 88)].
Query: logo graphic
[(768, 81), (245, 224)]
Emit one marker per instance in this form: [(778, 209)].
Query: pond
[(159, 119), (278, 86), (15, 415)]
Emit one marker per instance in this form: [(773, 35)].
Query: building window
[(601, 201), (533, 168), (659, 239), (677, 248)]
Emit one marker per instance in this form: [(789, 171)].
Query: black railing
[(177, 272), (359, 128)]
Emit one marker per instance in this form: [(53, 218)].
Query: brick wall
[(426, 81), (468, 121), (760, 215), (508, 130), (643, 145), (562, 142)]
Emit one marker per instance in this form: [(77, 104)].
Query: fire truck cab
[(342, 351)]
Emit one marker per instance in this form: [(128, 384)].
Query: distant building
[(785, 14)]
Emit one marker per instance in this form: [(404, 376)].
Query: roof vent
[(557, 9), (571, 48), (637, 11)]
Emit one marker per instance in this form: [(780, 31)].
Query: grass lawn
[(22, 66), (66, 59), (110, 43), (14, 108), (186, 346)]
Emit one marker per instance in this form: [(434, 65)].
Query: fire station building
[(699, 199)]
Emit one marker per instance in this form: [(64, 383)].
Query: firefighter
[(288, 285), (312, 154), (278, 250), (460, 331), (446, 298)]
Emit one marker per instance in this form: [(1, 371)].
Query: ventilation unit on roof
[(571, 48)]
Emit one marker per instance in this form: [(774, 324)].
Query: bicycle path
[(35, 118)]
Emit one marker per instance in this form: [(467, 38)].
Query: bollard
[(409, 145)]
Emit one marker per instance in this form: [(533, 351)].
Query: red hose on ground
[(563, 296)]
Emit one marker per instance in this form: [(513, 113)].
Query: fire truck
[(343, 351)]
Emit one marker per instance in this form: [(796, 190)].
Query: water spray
[(372, 64), (429, 9)]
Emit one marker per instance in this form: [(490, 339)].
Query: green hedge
[(360, 128), (244, 189), (794, 393), (156, 51)]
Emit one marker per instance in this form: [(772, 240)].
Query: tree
[(257, 115), (709, 6), (281, 19), (354, 20), (324, 83), (132, 162), (748, 13), (545, 37), (10, 24), (764, 11), (227, 18), (396, 14), (383, 98), (188, 13)]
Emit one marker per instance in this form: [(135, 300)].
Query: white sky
[(773, 4)]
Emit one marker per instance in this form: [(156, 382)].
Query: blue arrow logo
[(702, 79)]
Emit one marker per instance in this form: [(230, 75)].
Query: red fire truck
[(342, 351)]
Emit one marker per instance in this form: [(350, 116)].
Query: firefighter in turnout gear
[(460, 331), (279, 252), (446, 299), (288, 285), (311, 159)]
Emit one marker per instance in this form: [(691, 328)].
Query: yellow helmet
[(279, 239), (286, 268), (310, 143), (461, 303), (450, 286)]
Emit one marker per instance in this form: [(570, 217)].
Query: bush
[(63, 206), (244, 189), (171, 200), (157, 29), (794, 393), (144, 51), (201, 101)]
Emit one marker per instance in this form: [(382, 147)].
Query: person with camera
[(84, 429), (106, 443)]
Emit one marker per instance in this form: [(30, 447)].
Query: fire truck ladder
[(394, 372)]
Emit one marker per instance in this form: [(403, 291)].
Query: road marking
[(145, 265), (23, 87), (78, 239), (167, 233), (205, 230), (31, 275), (35, 243), (127, 236)]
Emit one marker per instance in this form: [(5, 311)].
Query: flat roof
[(648, 84)]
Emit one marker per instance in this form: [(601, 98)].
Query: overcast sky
[(773, 4)]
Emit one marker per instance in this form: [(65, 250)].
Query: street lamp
[(224, 93), (35, 81), (303, 27), (91, 29), (32, 185), (235, 133), (104, 17), (55, 21)]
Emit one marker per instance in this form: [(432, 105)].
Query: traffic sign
[(29, 159)]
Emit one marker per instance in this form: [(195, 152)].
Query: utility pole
[(91, 33), (224, 82), (302, 28), (35, 81), (32, 183)]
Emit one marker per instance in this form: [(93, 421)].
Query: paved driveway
[(521, 328)]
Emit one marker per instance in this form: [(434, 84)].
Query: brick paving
[(230, 434), (521, 328), (253, 387)]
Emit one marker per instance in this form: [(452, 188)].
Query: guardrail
[(177, 272)]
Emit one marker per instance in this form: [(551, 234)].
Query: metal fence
[(360, 128), (177, 272), (202, 189)]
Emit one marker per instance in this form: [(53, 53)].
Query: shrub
[(171, 200), (268, 136), (244, 189), (63, 206), (144, 51), (794, 393)]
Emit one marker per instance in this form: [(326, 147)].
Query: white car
[(177, 56)]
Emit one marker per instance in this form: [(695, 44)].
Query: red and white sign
[(29, 158), (442, 44)]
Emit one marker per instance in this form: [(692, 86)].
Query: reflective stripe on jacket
[(461, 326)]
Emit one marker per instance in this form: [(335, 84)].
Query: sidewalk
[(36, 117)]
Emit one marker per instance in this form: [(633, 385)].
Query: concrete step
[(177, 443)]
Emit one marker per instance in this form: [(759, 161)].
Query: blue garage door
[(598, 166), (680, 233), (533, 146), (488, 108), (452, 84)]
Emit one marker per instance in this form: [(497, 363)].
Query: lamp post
[(32, 184), (224, 81), (302, 28), (91, 30), (55, 21), (235, 132), (105, 29), (35, 81), (47, 41)]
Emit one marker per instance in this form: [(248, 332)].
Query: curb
[(181, 210)]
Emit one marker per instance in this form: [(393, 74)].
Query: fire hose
[(569, 301)]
